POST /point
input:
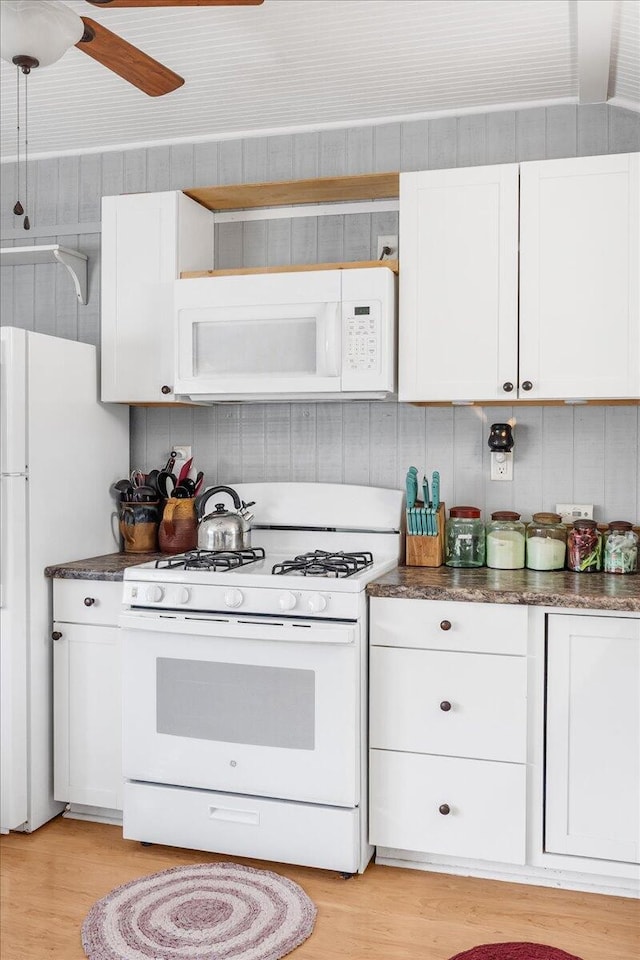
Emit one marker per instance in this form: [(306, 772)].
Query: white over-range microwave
[(305, 335)]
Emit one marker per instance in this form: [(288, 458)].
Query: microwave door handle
[(332, 360)]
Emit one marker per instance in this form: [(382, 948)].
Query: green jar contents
[(584, 547), (620, 548), (505, 541), (464, 538), (546, 542)]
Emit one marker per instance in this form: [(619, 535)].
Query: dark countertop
[(589, 591), (560, 588), (111, 566)]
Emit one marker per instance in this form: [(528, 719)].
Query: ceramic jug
[(179, 526)]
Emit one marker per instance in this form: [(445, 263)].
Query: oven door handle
[(220, 628)]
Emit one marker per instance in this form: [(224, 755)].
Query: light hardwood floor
[(50, 879)]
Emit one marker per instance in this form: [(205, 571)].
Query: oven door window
[(258, 706)]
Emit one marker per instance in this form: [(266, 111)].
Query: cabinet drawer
[(449, 625), (71, 601), (304, 833), (456, 704), (486, 802)]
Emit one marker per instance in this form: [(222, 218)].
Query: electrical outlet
[(392, 244), (502, 466), (183, 453), (574, 511)]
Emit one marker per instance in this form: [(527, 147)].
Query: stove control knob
[(233, 598), (154, 593), (316, 603), (287, 601), (182, 595)]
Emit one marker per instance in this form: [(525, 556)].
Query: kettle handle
[(203, 497)]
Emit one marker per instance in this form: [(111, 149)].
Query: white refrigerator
[(60, 451)]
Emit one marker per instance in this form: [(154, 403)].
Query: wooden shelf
[(290, 268), (367, 186), (74, 261)]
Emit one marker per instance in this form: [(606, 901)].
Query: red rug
[(514, 951)]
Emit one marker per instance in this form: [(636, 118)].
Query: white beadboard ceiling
[(311, 63)]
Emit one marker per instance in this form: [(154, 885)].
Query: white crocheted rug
[(214, 911)]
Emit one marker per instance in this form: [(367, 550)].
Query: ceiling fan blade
[(176, 3), (127, 61)]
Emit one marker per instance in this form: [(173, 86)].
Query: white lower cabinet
[(592, 777), (87, 699), (448, 728), (443, 805)]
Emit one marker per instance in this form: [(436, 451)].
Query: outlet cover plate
[(392, 243), (501, 466), (183, 451), (574, 511)]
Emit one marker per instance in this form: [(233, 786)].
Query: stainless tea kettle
[(223, 529)]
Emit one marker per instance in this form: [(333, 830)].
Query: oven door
[(252, 706)]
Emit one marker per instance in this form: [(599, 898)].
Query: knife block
[(423, 551)]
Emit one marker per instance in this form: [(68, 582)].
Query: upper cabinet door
[(579, 280), (458, 336), (147, 239)]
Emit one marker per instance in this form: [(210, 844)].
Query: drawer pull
[(445, 705), (444, 809), (252, 817), (56, 635), (89, 601), (445, 624)]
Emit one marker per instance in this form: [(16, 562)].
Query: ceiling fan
[(38, 32)]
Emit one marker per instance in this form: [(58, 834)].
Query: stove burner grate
[(211, 559), (322, 563)]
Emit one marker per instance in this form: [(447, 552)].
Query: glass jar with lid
[(546, 542), (584, 547), (464, 538), (505, 541), (620, 548)]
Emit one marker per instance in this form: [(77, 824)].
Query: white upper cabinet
[(147, 240), (575, 333), (579, 277), (459, 284)]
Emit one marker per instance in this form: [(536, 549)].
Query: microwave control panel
[(362, 327)]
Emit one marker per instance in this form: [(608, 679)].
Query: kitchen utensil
[(144, 494), (189, 485), (166, 483), (121, 489), (411, 483), (199, 481), (138, 478), (152, 479), (171, 462), (181, 493), (223, 529), (184, 470), (435, 489)]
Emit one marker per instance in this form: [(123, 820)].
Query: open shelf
[(366, 186), (73, 260), (290, 268)]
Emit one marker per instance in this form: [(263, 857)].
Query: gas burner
[(321, 563), (211, 559)]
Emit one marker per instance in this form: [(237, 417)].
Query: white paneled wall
[(563, 453)]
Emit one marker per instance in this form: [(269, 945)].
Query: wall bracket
[(74, 261)]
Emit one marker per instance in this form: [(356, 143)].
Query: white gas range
[(245, 681)]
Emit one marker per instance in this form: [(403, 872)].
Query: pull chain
[(18, 209), (26, 224)]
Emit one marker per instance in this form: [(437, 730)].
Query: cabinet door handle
[(89, 601), (445, 624), (56, 635), (444, 809), (445, 705), (527, 385), (165, 389), (507, 387)]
